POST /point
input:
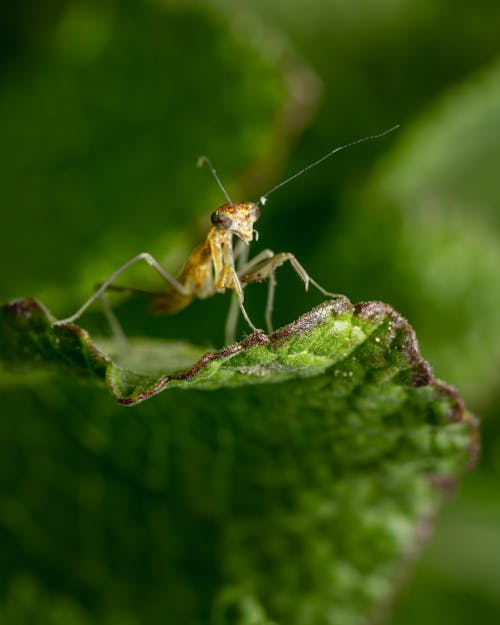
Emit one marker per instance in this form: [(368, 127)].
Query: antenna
[(205, 160), (263, 198)]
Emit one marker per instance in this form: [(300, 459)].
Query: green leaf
[(329, 335), (317, 459)]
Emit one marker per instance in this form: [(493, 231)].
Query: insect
[(216, 265)]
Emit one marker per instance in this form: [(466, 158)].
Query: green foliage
[(325, 337), (293, 492)]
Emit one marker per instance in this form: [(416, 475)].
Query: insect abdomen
[(170, 302)]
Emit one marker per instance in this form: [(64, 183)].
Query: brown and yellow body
[(210, 267)]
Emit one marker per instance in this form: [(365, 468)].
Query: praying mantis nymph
[(215, 265)]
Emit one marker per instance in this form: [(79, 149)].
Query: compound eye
[(221, 220)]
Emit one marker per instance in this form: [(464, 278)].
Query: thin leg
[(306, 278), (238, 289), (269, 265), (324, 291), (152, 262), (116, 329), (232, 320), (271, 289), (246, 317), (240, 255), (255, 261), (265, 270)]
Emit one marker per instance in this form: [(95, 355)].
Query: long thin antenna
[(263, 198), (205, 160)]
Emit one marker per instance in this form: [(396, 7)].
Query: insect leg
[(256, 272), (240, 255), (268, 315), (116, 329), (232, 320), (151, 261), (255, 261), (306, 278), (269, 265), (238, 289)]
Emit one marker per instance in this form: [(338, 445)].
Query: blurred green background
[(105, 107)]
